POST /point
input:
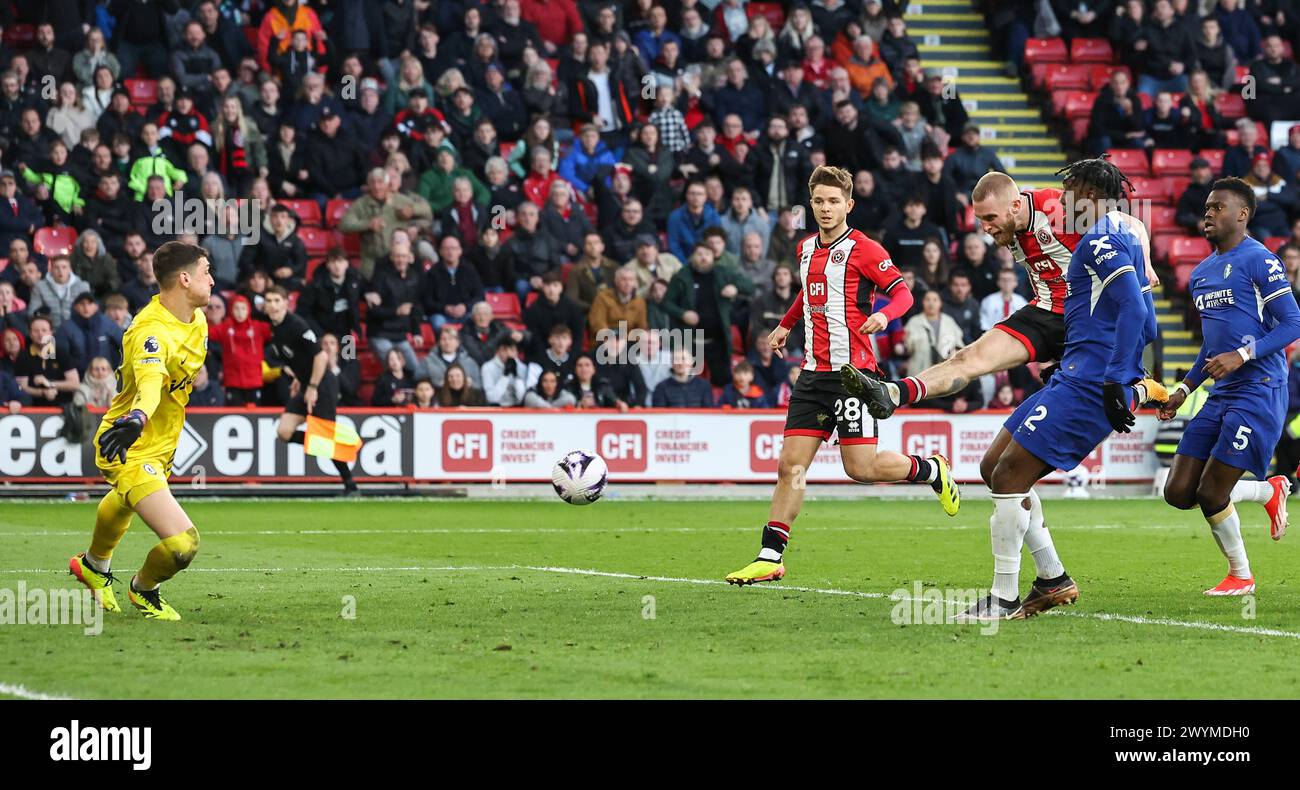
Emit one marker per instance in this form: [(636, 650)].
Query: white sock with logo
[(1039, 541), (1260, 491), (1226, 527), (1007, 529)]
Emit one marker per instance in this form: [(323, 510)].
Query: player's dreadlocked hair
[(1100, 174)]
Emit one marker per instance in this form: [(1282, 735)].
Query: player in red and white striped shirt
[(841, 269), (1035, 225)]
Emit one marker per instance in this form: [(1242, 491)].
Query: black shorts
[(327, 400), (1040, 331), (820, 405)]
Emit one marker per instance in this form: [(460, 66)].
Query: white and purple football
[(580, 477)]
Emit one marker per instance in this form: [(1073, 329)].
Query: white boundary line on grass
[(22, 692)]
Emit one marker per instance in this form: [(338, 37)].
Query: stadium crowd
[(461, 196)]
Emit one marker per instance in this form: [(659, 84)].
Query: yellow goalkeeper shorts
[(136, 480)]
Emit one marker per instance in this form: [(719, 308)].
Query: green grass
[(486, 631)]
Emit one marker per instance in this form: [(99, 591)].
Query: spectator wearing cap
[(707, 157), (379, 212), (1286, 160), (1275, 198), (183, 125), (87, 334), (1277, 79), (906, 236), (1191, 204), (451, 288), (19, 216), (970, 161), (535, 251), (1170, 53), (501, 103), (331, 301), (791, 89), (1239, 159), (505, 375), (336, 164), (588, 161), (414, 120), (592, 272), (366, 119), (550, 309)]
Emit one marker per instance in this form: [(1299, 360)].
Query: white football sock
[(1039, 541), (1226, 527), (98, 564), (771, 555), (1007, 528), (1252, 491)]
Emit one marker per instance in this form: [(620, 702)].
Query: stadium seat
[(1171, 162), (773, 11), (54, 241), (1146, 101), (371, 368), (504, 305), (529, 299), (1215, 157), (334, 211), (1242, 72), (144, 93), (1045, 50), (1183, 276), (966, 222), (317, 241), (505, 149), (1038, 75), (1163, 219), (1177, 185), (1188, 249), (312, 265), (1099, 74), (1153, 189), (1067, 76), (293, 301), (308, 211), (4, 264), (1078, 105), (1161, 242), (20, 36), (565, 268), (427, 335), (1130, 161), (1275, 242), (1091, 50), (1079, 129), (351, 243), (1231, 106)]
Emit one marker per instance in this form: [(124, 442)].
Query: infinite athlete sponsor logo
[(1213, 299)]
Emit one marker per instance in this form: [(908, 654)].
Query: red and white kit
[(1044, 248), (840, 281)]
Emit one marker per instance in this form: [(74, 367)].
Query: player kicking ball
[(162, 352), (840, 269), (1036, 225), (1108, 321), (1248, 318), (315, 388)]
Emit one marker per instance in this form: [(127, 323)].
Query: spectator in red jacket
[(242, 339), (556, 20)]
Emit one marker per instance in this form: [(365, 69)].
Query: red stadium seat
[(1067, 76), (1078, 105), (1171, 162), (371, 368), (565, 268), (293, 301), (54, 241), (1038, 75), (143, 92), (20, 36), (504, 305), (308, 211), (773, 11), (1231, 106), (1153, 189), (1099, 74), (737, 341), (317, 241), (1242, 72), (1162, 242), (1079, 129), (1188, 249), (1163, 220), (529, 299), (1275, 242), (1183, 276), (1046, 50), (1215, 157), (1130, 161), (427, 335), (1176, 186), (1091, 50), (312, 265), (334, 211), (4, 264), (966, 222), (351, 243), (505, 149)]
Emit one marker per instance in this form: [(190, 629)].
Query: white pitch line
[(1103, 616), (22, 692)]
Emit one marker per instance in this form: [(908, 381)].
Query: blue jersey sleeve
[(1269, 276), (1117, 271)]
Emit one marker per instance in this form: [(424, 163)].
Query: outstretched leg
[(797, 453)]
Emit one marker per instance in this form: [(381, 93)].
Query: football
[(580, 477)]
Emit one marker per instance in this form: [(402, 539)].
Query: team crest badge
[(1044, 236), (1227, 270), (838, 257), (148, 468), (151, 344)]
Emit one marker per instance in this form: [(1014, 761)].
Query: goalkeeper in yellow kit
[(162, 352)]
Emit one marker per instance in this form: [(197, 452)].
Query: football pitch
[(624, 599)]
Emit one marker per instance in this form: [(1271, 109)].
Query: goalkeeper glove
[(125, 430), (1115, 399)]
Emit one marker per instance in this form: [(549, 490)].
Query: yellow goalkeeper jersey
[(161, 355)]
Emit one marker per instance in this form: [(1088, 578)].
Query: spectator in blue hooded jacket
[(687, 222), (588, 162)]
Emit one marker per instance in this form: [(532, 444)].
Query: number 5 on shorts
[(1243, 438)]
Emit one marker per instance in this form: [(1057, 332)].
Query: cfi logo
[(623, 445), (151, 344), (928, 437)]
